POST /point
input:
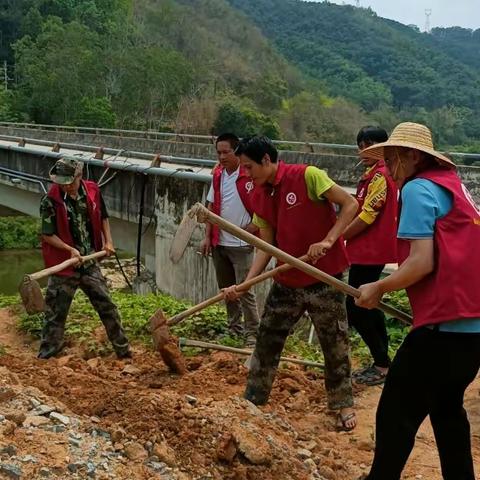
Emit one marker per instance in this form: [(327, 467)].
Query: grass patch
[(208, 325)]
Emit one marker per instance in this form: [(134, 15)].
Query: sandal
[(360, 371), (342, 421), (371, 377)]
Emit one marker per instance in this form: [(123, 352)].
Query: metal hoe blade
[(183, 235), (31, 295)]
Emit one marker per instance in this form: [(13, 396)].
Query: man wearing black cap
[(74, 224)]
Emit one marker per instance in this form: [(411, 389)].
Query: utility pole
[(428, 13)]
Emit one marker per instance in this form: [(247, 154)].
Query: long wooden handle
[(203, 214), (62, 266), (241, 351), (241, 287)]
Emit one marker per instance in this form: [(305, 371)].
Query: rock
[(9, 450), (309, 444), (63, 361), (135, 452), (95, 419), (35, 421), (94, 363), (59, 418), (35, 403), (311, 465), (7, 428), (253, 446), (91, 468), (75, 467), (158, 466), (10, 471), (165, 453), (226, 448), (29, 459), (17, 418), (327, 472), (131, 370), (6, 394), (190, 399), (75, 442), (42, 410), (117, 435), (44, 472), (303, 453), (366, 446)]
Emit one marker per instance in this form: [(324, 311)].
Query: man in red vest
[(439, 231), (372, 243), (74, 224), (294, 210), (230, 197)]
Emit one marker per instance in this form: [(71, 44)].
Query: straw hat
[(415, 136)]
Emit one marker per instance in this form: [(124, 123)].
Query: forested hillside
[(282, 67)]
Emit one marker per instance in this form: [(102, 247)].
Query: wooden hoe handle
[(242, 287), (205, 215), (62, 266)]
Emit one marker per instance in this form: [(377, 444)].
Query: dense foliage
[(19, 233), (304, 70)]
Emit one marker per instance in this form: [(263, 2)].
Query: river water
[(14, 264)]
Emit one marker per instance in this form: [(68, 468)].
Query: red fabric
[(245, 189), (451, 291), (377, 244), (53, 256), (298, 222)]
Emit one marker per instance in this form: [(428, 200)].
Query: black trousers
[(428, 377), (370, 324)]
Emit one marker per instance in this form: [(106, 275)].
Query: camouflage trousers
[(284, 307), (59, 296)]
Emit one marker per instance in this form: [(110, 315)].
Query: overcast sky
[(445, 13)]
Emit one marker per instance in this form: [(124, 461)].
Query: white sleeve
[(210, 196)]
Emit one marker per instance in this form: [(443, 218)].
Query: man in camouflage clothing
[(293, 208), (74, 224)]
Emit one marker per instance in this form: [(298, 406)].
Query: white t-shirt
[(232, 208)]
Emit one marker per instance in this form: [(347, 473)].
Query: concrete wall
[(166, 201)]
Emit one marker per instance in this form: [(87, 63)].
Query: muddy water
[(14, 264)]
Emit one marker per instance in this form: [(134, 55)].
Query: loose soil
[(196, 424)]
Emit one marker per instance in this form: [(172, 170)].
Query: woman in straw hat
[(439, 230)]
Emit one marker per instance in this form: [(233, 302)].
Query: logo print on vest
[(291, 198), (249, 186)]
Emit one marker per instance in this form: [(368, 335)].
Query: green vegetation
[(19, 233), (286, 68), (209, 325)]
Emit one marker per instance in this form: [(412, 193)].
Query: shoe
[(46, 352), (371, 377), (124, 354)]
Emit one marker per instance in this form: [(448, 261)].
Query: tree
[(240, 117)]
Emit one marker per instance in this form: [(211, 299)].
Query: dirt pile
[(103, 418)]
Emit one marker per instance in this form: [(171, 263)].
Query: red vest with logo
[(245, 189), (298, 222), (53, 256), (377, 244), (451, 291)]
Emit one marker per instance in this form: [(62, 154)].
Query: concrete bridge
[(169, 182)]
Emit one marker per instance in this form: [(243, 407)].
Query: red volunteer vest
[(53, 256), (298, 222), (451, 291), (245, 191), (377, 244)]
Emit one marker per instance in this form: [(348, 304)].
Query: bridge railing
[(206, 139)]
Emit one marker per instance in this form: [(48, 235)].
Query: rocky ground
[(77, 418)]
